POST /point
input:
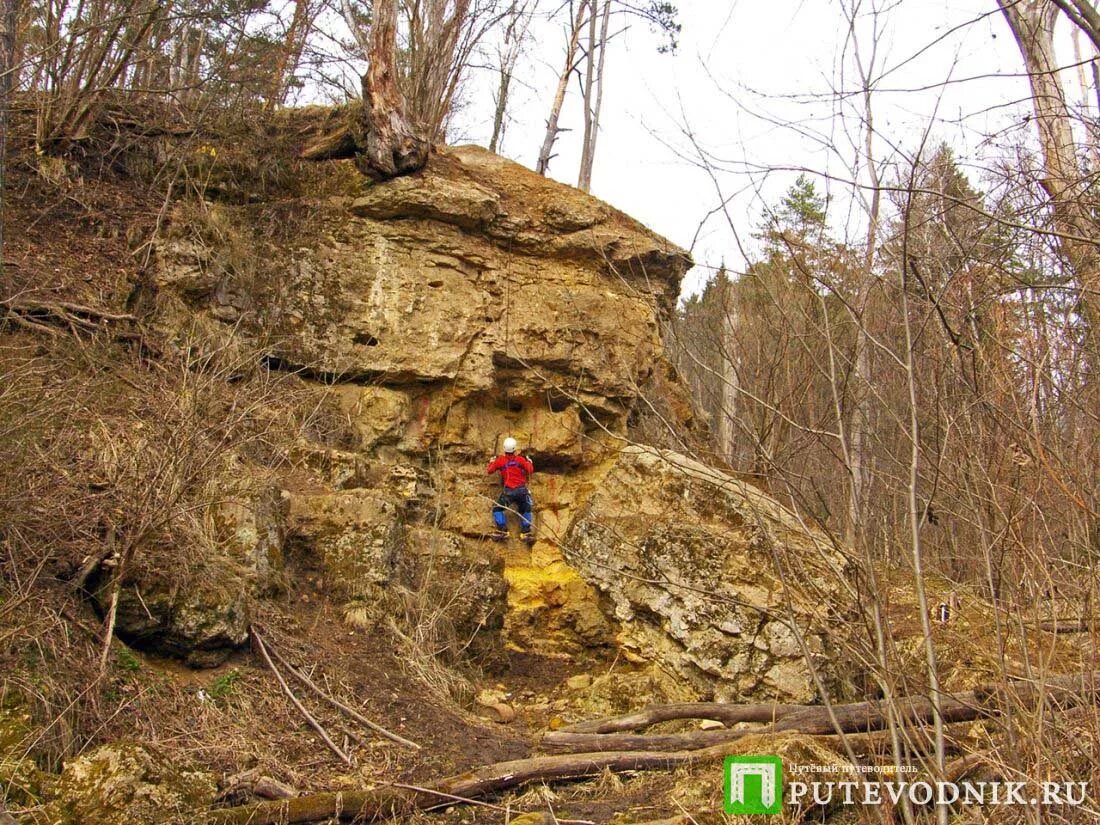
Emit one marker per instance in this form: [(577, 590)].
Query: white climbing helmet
[(509, 445)]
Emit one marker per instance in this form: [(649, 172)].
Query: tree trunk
[(592, 106), (1032, 24), (389, 144), (552, 129), (501, 108), (514, 35), (727, 349), (9, 14)]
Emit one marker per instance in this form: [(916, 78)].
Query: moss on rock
[(125, 783)]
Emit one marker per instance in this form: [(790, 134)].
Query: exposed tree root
[(53, 318)]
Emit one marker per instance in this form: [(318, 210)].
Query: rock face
[(437, 313)]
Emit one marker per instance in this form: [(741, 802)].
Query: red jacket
[(514, 469)]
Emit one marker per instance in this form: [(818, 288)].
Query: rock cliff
[(436, 313)]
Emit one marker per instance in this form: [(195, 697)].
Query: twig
[(449, 796), (112, 612), (294, 699), (336, 703)]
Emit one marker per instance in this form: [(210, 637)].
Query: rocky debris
[(582, 681), (124, 783), (493, 704), (688, 558), (627, 689)]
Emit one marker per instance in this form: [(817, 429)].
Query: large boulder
[(124, 783), (200, 620), (475, 272), (711, 577)]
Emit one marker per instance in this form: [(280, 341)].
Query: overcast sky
[(754, 82)]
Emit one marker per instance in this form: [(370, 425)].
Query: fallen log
[(1058, 626), (375, 805), (814, 720)]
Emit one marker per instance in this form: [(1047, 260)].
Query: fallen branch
[(1065, 625), (336, 703), (718, 711), (294, 699)]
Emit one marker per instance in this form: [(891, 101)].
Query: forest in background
[(928, 395)]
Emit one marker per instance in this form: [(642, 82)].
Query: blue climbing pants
[(517, 499)]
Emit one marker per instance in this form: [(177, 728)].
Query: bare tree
[(442, 38), (593, 90), (589, 14), (572, 41), (290, 54), (1032, 24), (518, 17), (9, 16)]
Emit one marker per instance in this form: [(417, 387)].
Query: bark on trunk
[(8, 18), (1032, 25), (390, 145), (514, 35), (593, 106), (290, 55)]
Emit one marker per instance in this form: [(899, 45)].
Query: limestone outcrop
[(436, 313)]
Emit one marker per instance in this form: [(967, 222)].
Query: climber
[(514, 471)]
